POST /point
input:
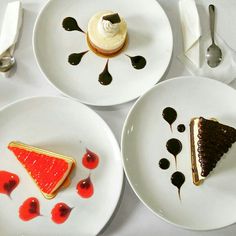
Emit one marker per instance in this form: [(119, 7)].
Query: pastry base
[(106, 53)]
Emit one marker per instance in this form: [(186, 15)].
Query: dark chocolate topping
[(164, 163), (113, 18), (169, 114), (215, 139)]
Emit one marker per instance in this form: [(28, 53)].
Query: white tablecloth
[(132, 217)]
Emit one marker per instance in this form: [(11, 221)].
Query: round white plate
[(209, 206), (150, 36), (66, 127)]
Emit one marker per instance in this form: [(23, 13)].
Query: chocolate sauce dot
[(174, 146), (75, 58), (105, 77), (169, 114), (177, 179), (164, 164), (181, 128), (138, 62), (70, 24)]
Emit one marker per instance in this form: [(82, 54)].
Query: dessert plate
[(144, 137), (68, 128), (149, 33)]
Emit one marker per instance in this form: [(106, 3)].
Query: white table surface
[(132, 217)]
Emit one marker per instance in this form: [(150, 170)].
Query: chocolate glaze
[(164, 164), (138, 62), (181, 128), (215, 139), (105, 77), (75, 58), (169, 114), (70, 24), (174, 146), (177, 179)]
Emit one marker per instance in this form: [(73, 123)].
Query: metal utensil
[(7, 62), (214, 54)]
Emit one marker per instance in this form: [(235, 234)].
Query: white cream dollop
[(108, 29)]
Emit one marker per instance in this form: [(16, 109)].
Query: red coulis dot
[(90, 159), (85, 188), (29, 209), (8, 182), (60, 213)]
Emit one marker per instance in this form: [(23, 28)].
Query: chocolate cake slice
[(210, 140)]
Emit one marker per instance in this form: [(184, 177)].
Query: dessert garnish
[(90, 159), (105, 77), (113, 18), (138, 62), (60, 213), (8, 182), (181, 128), (178, 179), (210, 140), (75, 58), (70, 24), (169, 114), (174, 146), (85, 188), (29, 209), (48, 169), (164, 163)]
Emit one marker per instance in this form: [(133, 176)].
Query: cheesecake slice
[(48, 170), (210, 140)]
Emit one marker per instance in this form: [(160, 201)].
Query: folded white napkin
[(10, 28), (191, 30)]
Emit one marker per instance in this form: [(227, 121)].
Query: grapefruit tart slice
[(210, 140), (48, 170)]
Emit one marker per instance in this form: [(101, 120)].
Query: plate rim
[(81, 100), (193, 77), (121, 189)]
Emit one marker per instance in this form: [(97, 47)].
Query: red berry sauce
[(90, 159), (8, 182), (60, 213), (29, 209)]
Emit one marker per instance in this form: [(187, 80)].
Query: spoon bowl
[(214, 53), (6, 63)]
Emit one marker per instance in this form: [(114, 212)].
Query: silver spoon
[(214, 54), (7, 62)]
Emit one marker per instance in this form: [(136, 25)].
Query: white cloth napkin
[(10, 28), (191, 30), (195, 46)]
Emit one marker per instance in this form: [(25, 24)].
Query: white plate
[(66, 127), (209, 206), (150, 35)]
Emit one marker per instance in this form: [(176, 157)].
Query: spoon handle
[(212, 22)]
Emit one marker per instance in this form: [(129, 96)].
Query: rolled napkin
[(12, 22), (191, 30)]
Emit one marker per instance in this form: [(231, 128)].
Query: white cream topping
[(196, 139), (106, 28)]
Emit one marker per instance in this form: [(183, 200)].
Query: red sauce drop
[(90, 159), (85, 188), (8, 182), (29, 209), (60, 213)]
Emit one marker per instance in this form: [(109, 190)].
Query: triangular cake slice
[(210, 140), (48, 170)]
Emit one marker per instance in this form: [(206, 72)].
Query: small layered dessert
[(210, 140), (49, 170), (107, 33)]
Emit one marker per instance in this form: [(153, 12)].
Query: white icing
[(108, 29)]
